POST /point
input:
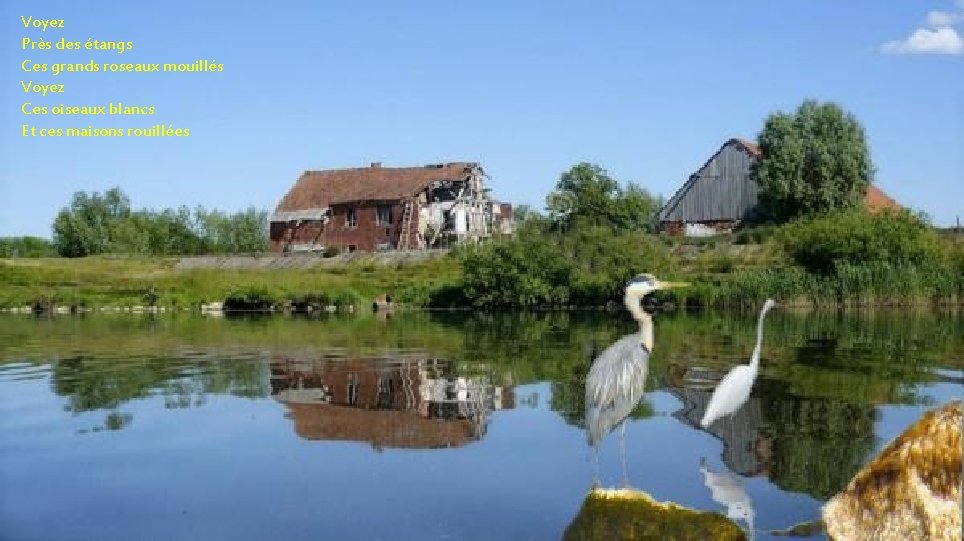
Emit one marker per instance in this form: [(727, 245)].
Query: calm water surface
[(430, 426)]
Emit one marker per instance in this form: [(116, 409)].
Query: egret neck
[(755, 358)]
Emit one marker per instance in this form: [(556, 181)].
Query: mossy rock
[(910, 490), (632, 514)]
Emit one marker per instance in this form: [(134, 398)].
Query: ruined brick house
[(720, 195), (385, 208)]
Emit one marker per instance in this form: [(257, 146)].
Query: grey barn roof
[(721, 190)]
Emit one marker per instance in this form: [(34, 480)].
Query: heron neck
[(645, 321)]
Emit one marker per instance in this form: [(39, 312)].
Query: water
[(434, 426)]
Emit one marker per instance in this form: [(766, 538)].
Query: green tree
[(813, 161), (587, 196), (97, 224), (87, 226)]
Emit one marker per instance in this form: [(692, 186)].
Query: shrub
[(348, 297), (516, 272), (250, 299), (26, 247), (857, 237)]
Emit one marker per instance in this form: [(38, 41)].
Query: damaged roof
[(320, 189)]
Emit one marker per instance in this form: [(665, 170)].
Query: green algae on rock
[(632, 514)]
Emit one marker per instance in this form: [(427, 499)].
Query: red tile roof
[(318, 189), (750, 146), (876, 200)]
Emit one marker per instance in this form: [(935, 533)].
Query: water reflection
[(159, 400), (387, 402), (747, 449), (727, 489), (803, 444)]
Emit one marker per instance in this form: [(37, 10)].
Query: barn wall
[(721, 191)]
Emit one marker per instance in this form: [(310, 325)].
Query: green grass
[(126, 281), (724, 276)]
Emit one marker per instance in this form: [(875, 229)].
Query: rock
[(633, 514), (911, 490), (212, 307)]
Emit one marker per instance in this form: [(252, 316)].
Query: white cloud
[(938, 36), (939, 19), (944, 40)]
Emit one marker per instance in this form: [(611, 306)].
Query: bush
[(587, 266), (757, 234), (26, 247), (516, 272), (856, 237), (250, 299), (348, 297)]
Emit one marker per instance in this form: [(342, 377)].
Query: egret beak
[(670, 285)]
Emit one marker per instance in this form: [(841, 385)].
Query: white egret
[(734, 388), (617, 378)]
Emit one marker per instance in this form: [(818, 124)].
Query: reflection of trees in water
[(812, 445), (91, 384), (816, 444), (871, 359)]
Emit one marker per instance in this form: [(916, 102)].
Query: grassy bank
[(848, 259), (721, 277), (136, 281)]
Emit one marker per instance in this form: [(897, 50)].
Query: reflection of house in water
[(401, 402), (746, 450)]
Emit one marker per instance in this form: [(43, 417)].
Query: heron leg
[(622, 453), (595, 467)]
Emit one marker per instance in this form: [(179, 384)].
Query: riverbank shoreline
[(410, 280)]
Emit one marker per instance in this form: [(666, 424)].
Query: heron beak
[(670, 285)]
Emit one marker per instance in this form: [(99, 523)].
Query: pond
[(436, 425)]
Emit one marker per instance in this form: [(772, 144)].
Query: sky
[(647, 90)]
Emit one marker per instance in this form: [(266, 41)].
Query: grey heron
[(734, 388), (617, 378)]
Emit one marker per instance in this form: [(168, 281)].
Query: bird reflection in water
[(727, 489), (617, 378)]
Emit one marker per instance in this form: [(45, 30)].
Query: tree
[(587, 196), (88, 226), (97, 224), (813, 161)]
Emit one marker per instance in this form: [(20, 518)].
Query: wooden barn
[(717, 197), (720, 195), (386, 208)]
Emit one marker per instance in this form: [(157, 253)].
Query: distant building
[(386, 208), (720, 195)]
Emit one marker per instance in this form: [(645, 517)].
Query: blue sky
[(648, 90)]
